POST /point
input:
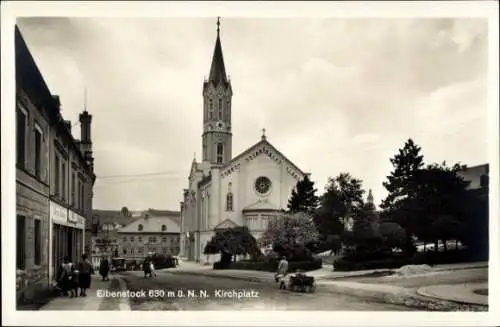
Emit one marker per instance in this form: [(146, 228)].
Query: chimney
[(85, 124)]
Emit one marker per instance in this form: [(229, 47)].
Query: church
[(223, 190)]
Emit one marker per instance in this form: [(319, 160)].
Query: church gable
[(263, 148), (228, 223)]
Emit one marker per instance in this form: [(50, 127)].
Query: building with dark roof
[(54, 179), (157, 231)]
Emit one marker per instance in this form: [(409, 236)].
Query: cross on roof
[(263, 133), (218, 24)]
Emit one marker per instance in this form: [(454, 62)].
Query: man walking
[(282, 272)]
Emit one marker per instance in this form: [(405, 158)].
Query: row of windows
[(22, 137), (61, 167), (141, 227), (21, 246), (61, 186), (151, 239), (143, 250), (220, 110)]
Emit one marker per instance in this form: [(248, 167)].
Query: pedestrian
[(152, 268), (146, 266), (74, 283), (281, 272), (104, 269), (66, 276), (85, 278)]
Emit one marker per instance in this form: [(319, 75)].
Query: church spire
[(370, 196), (218, 69)]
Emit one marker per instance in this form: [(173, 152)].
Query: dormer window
[(140, 227), (163, 228)]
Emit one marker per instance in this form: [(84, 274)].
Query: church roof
[(218, 69), (261, 205), (272, 147), (227, 223)]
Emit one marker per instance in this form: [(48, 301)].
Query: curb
[(423, 291), (405, 297), (245, 278)]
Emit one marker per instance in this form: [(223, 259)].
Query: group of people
[(75, 276)]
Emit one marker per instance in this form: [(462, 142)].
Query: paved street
[(267, 296)]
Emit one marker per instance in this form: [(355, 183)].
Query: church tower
[(217, 95)]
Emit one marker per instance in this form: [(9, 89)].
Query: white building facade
[(225, 191)]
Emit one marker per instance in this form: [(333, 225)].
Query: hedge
[(272, 266), (393, 262), (389, 263)]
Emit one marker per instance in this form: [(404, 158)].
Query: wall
[(32, 201), (166, 243)]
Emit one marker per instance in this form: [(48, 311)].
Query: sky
[(334, 95)]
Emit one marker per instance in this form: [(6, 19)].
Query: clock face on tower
[(220, 125)]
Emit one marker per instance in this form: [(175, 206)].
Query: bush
[(272, 266), (388, 263), (221, 265)]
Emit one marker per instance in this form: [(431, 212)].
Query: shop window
[(139, 239), (164, 239), (21, 242), (21, 137), (132, 239), (124, 238), (38, 242)]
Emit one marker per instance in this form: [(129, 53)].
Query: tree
[(125, 212), (231, 242), (446, 228), (400, 205), (304, 197), (393, 235), (289, 232), (343, 197)]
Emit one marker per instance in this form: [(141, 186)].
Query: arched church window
[(228, 111), (220, 152), (229, 202), (210, 109), (220, 109)]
